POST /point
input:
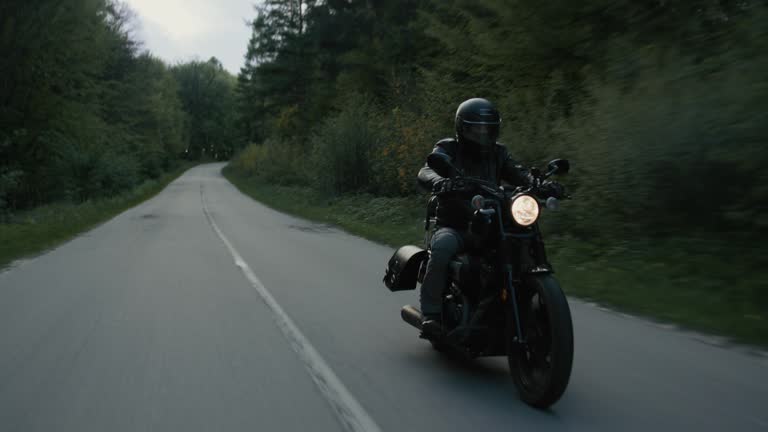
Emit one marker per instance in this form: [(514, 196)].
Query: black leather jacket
[(454, 209)]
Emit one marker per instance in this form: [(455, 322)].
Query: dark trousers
[(444, 245)]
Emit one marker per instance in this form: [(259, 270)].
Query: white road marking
[(348, 410)]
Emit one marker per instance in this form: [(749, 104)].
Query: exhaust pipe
[(412, 316)]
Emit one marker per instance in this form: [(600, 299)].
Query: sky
[(183, 30)]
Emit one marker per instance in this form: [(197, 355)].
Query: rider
[(475, 152)]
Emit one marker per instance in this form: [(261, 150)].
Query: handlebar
[(499, 191)]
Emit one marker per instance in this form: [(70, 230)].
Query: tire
[(542, 369)]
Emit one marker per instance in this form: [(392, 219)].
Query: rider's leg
[(446, 242)]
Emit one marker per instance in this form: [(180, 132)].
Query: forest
[(86, 112)]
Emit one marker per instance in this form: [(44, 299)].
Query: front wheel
[(541, 367)]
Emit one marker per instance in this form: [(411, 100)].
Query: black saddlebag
[(403, 268)]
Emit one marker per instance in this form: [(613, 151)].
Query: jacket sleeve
[(427, 177), (513, 172)]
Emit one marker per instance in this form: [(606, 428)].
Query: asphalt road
[(202, 310)]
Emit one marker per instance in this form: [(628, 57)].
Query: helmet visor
[(481, 133)]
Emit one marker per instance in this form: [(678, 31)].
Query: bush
[(274, 161), (342, 150), (87, 173), (683, 146), (398, 159), (9, 181)]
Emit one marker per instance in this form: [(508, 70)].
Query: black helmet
[(477, 124)]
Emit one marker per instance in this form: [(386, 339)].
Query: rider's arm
[(427, 177), (512, 172)]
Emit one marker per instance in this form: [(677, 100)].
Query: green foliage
[(406, 142), (343, 150), (85, 114), (206, 91), (273, 161), (665, 279), (274, 75)]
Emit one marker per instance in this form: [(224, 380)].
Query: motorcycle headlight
[(525, 210)]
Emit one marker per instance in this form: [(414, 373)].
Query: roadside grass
[(700, 283), (703, 283), (391, 221), (34, 231)]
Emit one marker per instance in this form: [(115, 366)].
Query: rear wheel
[(541, 368)]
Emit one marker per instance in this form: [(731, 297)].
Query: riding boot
[(432, 325)]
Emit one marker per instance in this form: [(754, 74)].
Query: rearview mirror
[(558, 166), (441, 164)]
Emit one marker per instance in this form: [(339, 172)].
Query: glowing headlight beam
[(525, 210)]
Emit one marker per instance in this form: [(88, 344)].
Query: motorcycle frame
[(510, 271)]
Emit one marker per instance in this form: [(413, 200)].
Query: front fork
[(509, 293), (512, 309)]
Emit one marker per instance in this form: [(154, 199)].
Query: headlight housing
[(525, 210)]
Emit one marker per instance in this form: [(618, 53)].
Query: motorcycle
[(501, 298)]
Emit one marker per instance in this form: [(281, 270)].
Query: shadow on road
[(450, 377)]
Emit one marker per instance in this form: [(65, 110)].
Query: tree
[(206, 91), (82, 112)]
